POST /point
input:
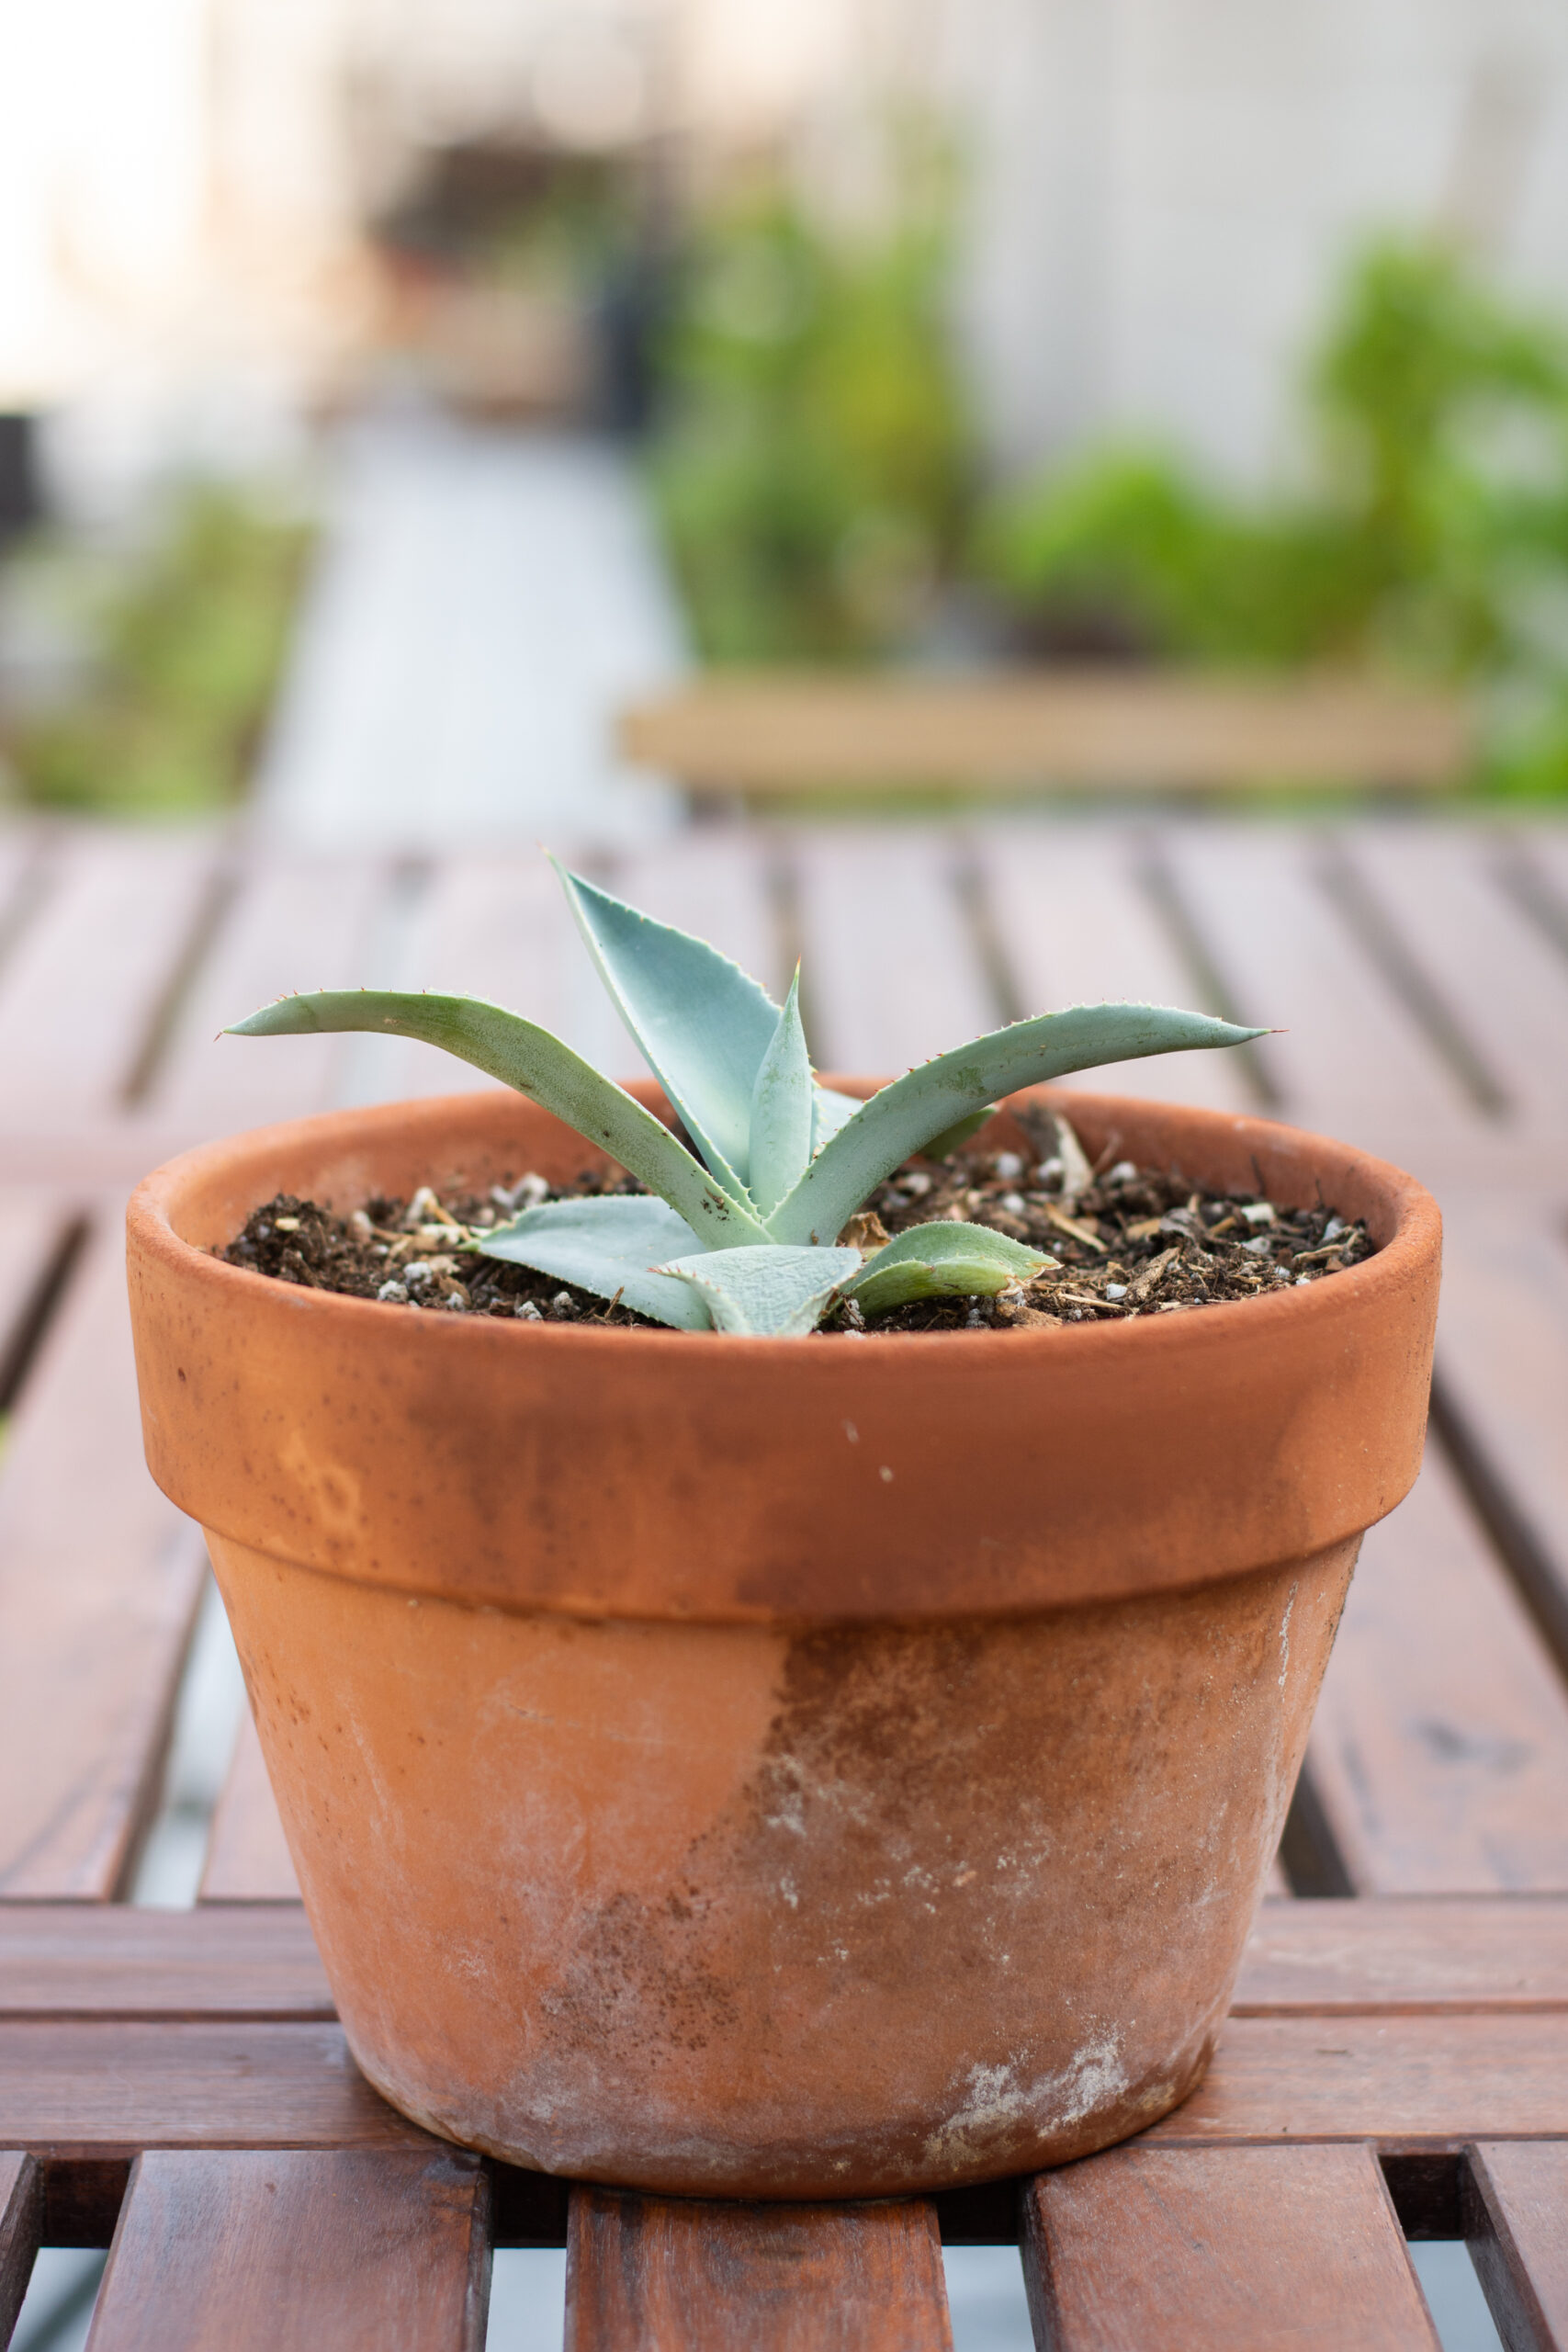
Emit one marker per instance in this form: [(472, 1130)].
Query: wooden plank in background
[(247, 1855), (1516, 2229), (1503, 1377), (99, 1581), (1394, 1953), (1437, 885), (1439, 1749), (647, 2273), (1439, 2080), (108, 1960), (497, 928), (21, 2219), (288, 2251), (1233, 2250), (1403, 1954), (104, 2086), (1133, 728), (1077, 929), (87, 979), (714, 884), (889, 971), (1353, 1058), (294, 923)]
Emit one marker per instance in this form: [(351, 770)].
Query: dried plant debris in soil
[(1126, 1241)]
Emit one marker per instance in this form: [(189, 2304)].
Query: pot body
[(912, 1849)]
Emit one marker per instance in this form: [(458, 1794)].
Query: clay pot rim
[(1416, 1227)]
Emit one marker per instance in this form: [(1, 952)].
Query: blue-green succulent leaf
[(952, 1138), (831, 1110), (610, 1246), (548, 1073), (703, 1025), (767, 1292), (782, 1109), (943, 1260), (905, 1117)]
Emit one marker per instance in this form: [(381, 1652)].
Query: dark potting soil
[(1127, 1242)]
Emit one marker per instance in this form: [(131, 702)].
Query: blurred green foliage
[(1429, 537), (812, 461), (183, 636)]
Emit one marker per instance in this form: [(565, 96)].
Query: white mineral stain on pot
[(997, 2102), (1285, 1634), (885, 1475)]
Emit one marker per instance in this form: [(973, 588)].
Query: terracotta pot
[(777, 1768)]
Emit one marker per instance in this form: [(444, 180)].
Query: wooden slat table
[(1396, 2060)]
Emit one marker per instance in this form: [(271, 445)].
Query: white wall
[(1162, 192)]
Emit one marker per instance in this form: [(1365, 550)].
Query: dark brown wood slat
[(715, 885), (1516, 2229), (889, 971), (1401, 1953), (1434, 2080), (1437, 885), (108, 1960), (1076, 928), (1353, 1058), (294, 923), (247, 1855), (1239, 2250), (109, 2087), (99, 1581), (1439, 1749), (1503, 1375), (290, 2252), (79, 996), (21, 2219), (1395, 1953), (648, 2274)]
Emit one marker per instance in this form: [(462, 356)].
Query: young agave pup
[(746, 1238)]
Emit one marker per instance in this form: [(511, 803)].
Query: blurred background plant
[(162, 654), (812, 456), (1428, 533)]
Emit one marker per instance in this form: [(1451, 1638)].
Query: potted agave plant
[(726, 1760)]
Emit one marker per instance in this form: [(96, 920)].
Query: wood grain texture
[(87, 979), (652, 2274), (285, 2250), (1404, 1954), (1437, 885), (108, 2089), (1434, 2080), (293, 922), (78, 1960), (1516, 2229), (1352, 1058), (1138, 729), (1503, 1377), (21, 2220), (866, 898), (1439, 1749), (99, 1581), (1239, 2250), (247, 1855), (1076, 927)]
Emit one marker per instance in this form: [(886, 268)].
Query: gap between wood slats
[(21, 2228), (1514, 2203)]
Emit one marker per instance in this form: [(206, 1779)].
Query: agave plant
[(743, 1235)]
